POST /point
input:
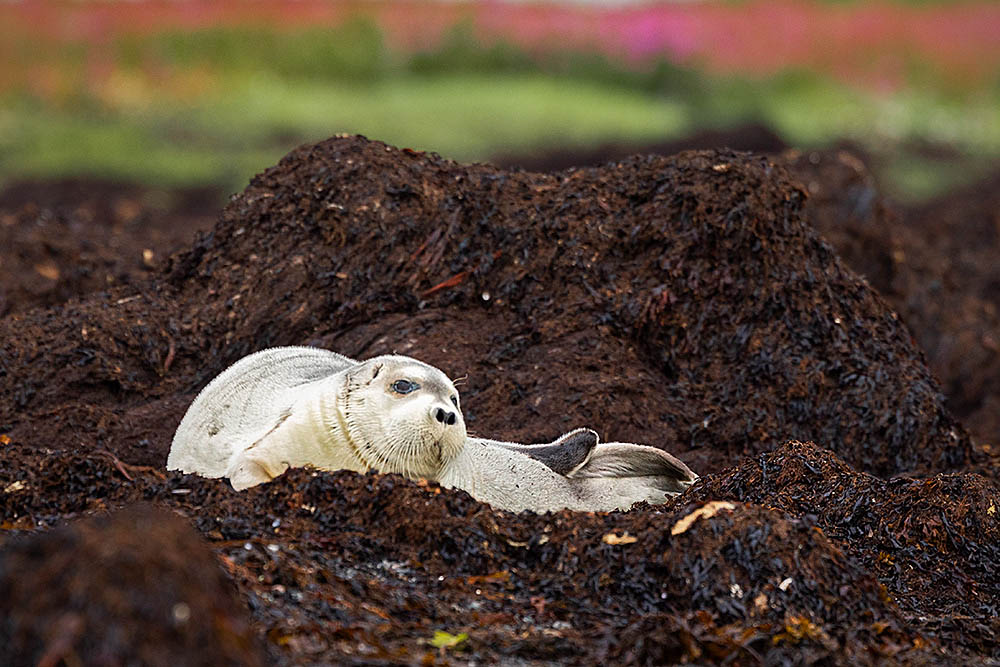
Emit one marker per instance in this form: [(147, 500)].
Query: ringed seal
[(289, 407), (300, 406)]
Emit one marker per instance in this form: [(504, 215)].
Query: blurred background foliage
[(159, 93)]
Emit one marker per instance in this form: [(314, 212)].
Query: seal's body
[(599, 478), (299, 406), (296, 406)]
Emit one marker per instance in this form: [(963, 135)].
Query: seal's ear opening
[(621, 459), (363, 373)]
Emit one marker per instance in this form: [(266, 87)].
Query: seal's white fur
[(611, 476), (297, 406), (300, 406)]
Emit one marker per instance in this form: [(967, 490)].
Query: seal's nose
[(445, 416)]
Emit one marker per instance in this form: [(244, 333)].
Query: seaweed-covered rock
[(68, 238)]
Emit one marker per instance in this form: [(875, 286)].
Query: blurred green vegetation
[(217, 106)]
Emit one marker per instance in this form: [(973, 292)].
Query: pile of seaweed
[(342, 567), (753, 137), (682, 302), (935, 263), (678, 301), (68, 238), (144, 570)]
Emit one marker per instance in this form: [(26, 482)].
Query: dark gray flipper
[(564, 455)]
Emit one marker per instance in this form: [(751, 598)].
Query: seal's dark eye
[(404, 386), (454, 401)]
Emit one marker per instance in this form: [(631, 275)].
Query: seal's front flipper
[(262, 460), (653, 466), (565, 455), (247, 472)]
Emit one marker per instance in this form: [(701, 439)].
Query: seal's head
[(402, 416)]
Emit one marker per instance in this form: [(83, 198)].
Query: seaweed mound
[(683, 302), (934, 542), (139, 587), (367, 567), (69, 238), (936, 264), (677, 301)]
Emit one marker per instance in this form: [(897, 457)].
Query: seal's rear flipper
[(565, 455), (620, 459)]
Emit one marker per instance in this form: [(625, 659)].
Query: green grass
[(236, 100), (227, 138)]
